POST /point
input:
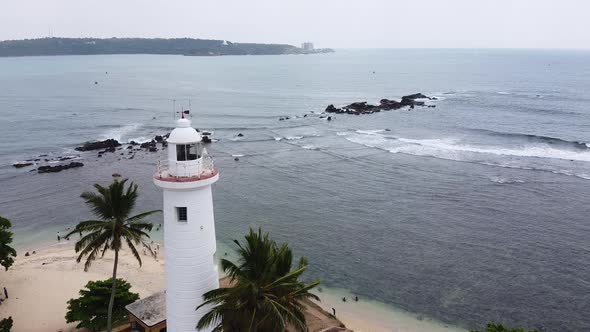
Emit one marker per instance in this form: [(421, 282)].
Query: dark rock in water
[(332, 109), (65, 158), (129, 147), (21, 165), (58, 168), (153, 149), (384, 105), (159, 138), (27, 254), (99, 155), (237, 159), (148, 145), (415, 96), (281, 119), (240, 135), (167, 135), (329, 118), (109, 143), (164, 143), (206, 139), (133, 143), (110, 149), (387, 129), (116, 175)]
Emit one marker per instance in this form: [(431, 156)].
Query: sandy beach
[(40, 285)]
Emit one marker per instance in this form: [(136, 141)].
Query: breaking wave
[(536, 139), (121, 133), (536, 153)]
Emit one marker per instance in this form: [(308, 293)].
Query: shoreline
[(40, 285)]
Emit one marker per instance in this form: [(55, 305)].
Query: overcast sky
[(327, 23)]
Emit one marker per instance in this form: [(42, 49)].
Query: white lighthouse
[(189, 226)]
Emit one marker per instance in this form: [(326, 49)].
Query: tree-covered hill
[(184, 46)]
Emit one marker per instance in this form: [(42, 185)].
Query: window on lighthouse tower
[(181, 214), (186, 152)]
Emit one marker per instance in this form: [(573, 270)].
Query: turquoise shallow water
[(472, 211)]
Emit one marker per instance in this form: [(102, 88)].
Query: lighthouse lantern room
[(189, 226)]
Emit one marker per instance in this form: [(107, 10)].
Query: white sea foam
[(310, 147), (120, 133), (291, 138), (371, 131), (139, 139), (277, 138), (502, 180), (533, 156), (445, 147)]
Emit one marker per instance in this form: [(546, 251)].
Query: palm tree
[(265, 294), (112, 205)]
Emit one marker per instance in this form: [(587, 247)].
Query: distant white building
[(307, 46)]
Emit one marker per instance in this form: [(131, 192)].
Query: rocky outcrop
[(97, 145), (384, 105), (59, 168), (21, 165)]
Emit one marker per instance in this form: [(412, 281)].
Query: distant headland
[(180, 46)]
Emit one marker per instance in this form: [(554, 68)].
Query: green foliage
[(90, 309), (266, 293), (112, 205), (6, 251), (491, 327), (185, 46), (6, 324)]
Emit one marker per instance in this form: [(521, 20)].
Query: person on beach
[(5, 293), (334, 311), (356, 299), (58, 236), (344, 299)]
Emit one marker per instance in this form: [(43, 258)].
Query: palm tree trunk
[(112, 300)]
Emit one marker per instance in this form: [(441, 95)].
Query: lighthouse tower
[(189, 226)]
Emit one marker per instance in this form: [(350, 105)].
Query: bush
[(90, 309), (6, 251), (6, 324)]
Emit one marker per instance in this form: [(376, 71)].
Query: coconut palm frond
[(266, 292)]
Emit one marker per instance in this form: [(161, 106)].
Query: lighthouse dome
[(184, 133)]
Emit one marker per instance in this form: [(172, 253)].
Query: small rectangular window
[(181, 214)]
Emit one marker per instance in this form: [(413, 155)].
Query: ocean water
[(473, 211)]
